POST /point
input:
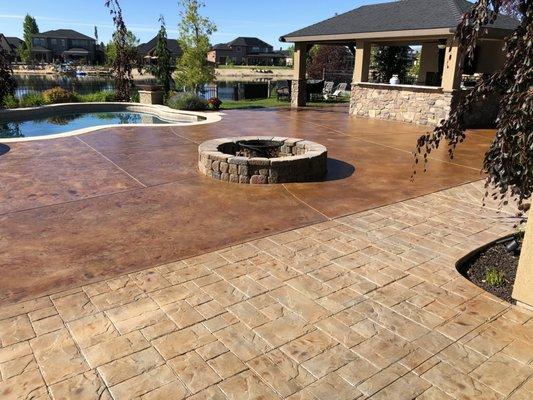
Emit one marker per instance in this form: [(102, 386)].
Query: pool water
[(70, 122)]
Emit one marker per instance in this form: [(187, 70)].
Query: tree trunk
[(523, 286)]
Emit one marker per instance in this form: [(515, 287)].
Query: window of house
[(54, 42), (63, 42), (238, 48)]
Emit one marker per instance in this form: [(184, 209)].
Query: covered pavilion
[(430, 24)]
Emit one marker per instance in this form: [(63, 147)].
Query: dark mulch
[(499, 258)]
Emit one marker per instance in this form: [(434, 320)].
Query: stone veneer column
[(298, 89), (523, 285)]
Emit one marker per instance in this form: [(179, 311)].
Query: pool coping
[(159, 111)]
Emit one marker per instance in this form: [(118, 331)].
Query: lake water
[(71, 122), (224, 90)]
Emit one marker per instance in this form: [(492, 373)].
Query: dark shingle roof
[(172, 45), (396, 16), (221, 46), (248, 41), (14, 41), (63, 34)]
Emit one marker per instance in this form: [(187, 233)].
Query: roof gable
[(397, 16)]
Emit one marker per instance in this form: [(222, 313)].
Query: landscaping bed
[(492, 268)]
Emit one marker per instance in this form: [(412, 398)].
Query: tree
[(96, 33), (7, 82), (163, 69), (29, 28), (111, 49), (323, 57), (509, 161), (126, 56), (391, 60), (193, 70)]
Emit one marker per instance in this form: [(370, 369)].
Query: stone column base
[(298, 93), (150, 97)]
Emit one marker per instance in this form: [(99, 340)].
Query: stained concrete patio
[(367, 305), (81, 209)]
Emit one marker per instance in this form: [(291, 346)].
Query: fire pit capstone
[(262, 160)]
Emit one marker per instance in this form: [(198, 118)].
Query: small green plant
[(494, 277), (96, 97), (58, 95), (11, 102), (187, 101), (33, 99)]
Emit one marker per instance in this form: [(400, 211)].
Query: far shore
[(221, 74)]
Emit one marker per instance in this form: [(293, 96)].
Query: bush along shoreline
[(59, 95)]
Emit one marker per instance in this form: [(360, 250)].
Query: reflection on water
[(69, 122), (224, 90)]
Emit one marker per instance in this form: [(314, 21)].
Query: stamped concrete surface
[(367, 305), (81, 209)]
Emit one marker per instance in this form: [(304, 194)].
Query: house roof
[(248, 41), (172, 45), (397, 16), (14, 41), (221, 46), (63, 34)]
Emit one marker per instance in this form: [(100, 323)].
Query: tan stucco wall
[(523, 285), (429, 61)]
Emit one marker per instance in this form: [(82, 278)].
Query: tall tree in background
[(111, 49), (96, 33), (29, 28), (391, 60), (193, 70), (163, 69), (509, 160), (126, 56), (7, 82), (323, 58)]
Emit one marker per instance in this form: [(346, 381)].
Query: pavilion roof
[(404, 15)]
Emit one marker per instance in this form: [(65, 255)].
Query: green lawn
[(274, 102)]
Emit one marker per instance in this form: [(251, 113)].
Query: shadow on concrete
[(4, 148), (338, 170)]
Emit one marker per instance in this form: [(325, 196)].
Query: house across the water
[(147, 50), (246, 51), (63, 45)]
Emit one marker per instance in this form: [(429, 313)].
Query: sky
[(267, 20)]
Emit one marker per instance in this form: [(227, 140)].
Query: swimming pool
[(61, 120), (69, 122)]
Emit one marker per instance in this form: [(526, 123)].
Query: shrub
[(33, 99), (11, 102), (494, 277), (214, 103), (187, 101), (58, 95), (97, 97)]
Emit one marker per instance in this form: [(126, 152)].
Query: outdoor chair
[(341, 88), (284, 94), (328, 89)]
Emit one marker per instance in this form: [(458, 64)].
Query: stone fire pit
[(262, 160)]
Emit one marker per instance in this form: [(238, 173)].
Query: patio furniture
[(315, 89), (328, 89), (340, 91), (284, 94)]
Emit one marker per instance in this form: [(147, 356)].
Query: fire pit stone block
[(296, 160)]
